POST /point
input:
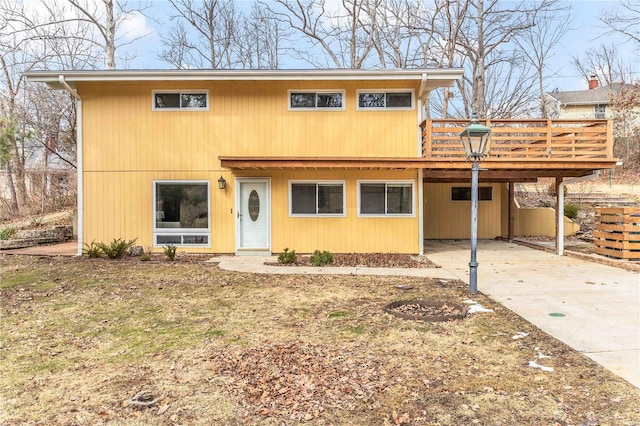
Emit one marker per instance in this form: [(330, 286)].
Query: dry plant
[(81, 337)]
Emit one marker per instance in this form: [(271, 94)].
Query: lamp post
[(475, 140)]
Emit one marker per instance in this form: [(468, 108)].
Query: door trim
[(252, 251)]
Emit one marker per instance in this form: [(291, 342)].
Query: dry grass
[(79, 337)]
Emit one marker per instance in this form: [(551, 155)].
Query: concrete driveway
[(599, 305)]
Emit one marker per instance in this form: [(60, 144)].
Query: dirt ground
[(79, 338)]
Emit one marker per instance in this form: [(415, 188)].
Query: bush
[(571, 211), (92, 250), (146, 256), (7, 232), (321, 258), (170, 251), (116, 248), (287, 257)]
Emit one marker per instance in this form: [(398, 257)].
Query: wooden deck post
[(511, 211), (559, 208)]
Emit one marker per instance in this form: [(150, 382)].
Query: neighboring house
[(593, 103), (47, 174), (256, 161)]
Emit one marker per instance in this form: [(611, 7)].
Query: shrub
[(116, 248), (287, 257), (321, 258), (92, 250), (146, 256), (7, 232), (571, 211), (170, 251)]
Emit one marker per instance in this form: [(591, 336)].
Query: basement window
[(463, 193)]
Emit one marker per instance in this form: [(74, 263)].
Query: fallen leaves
[(298, 380)]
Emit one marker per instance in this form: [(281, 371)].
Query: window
[(463, 193), (196, 100), (316, 199), (319, 100), (385, 198), (385, 99), (601, 111), (181, 215)]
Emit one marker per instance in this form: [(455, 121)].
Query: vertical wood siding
[(445, 219), (127, 146)]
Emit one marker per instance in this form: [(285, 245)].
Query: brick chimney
[(593, 82)]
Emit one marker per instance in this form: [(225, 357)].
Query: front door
[(253, 215)]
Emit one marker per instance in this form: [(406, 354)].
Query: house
[(253, 162), (593, 103)]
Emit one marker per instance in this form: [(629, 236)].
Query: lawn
[(80, 337)]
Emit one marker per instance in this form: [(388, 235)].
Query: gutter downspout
[(79, 160), (423, 101), (560, 208)]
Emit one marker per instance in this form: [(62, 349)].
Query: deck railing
[(524, 140)]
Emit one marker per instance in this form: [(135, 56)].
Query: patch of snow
[(534, 364), (477, 308), (519, 335)]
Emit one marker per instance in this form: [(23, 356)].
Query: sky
[(587, 32)]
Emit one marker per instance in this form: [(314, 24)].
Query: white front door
[(253, 215)]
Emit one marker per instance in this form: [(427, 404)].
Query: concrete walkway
[(600, 304)]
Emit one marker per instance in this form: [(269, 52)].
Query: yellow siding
[(244, 119), (339, 234), (444, 218), (127, 146)]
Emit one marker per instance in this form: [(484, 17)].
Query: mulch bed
[(371, 260)]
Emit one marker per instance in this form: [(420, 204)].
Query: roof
[(430, 78), (597, 96)]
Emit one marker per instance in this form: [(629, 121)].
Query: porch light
[(222, 184), (475, 140)]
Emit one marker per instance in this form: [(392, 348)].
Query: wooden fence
[(617, 232)]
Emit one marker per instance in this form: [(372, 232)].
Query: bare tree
[(604, 62), (487, 37), (537, 43), (214, 23), (94, 22), (625, 20), (346, 36), (260, 38), (626, 125)]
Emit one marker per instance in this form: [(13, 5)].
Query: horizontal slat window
[(197, 100), (463, 193), (316, 100), (383, 100)]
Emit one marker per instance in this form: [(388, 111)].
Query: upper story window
[(316, 100), (601, 111), (385, 198), (385, 99), (185, 100), (463, 193), (316, 198)]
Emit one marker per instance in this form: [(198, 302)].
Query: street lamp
[(475, 140)]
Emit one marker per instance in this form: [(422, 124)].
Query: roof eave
[(437, 77)]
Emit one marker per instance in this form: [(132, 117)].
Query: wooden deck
[(524, 140)]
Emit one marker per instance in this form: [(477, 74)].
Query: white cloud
[(133, 26)]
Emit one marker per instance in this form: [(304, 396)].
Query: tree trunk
[(110, 37), (12, 190)]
